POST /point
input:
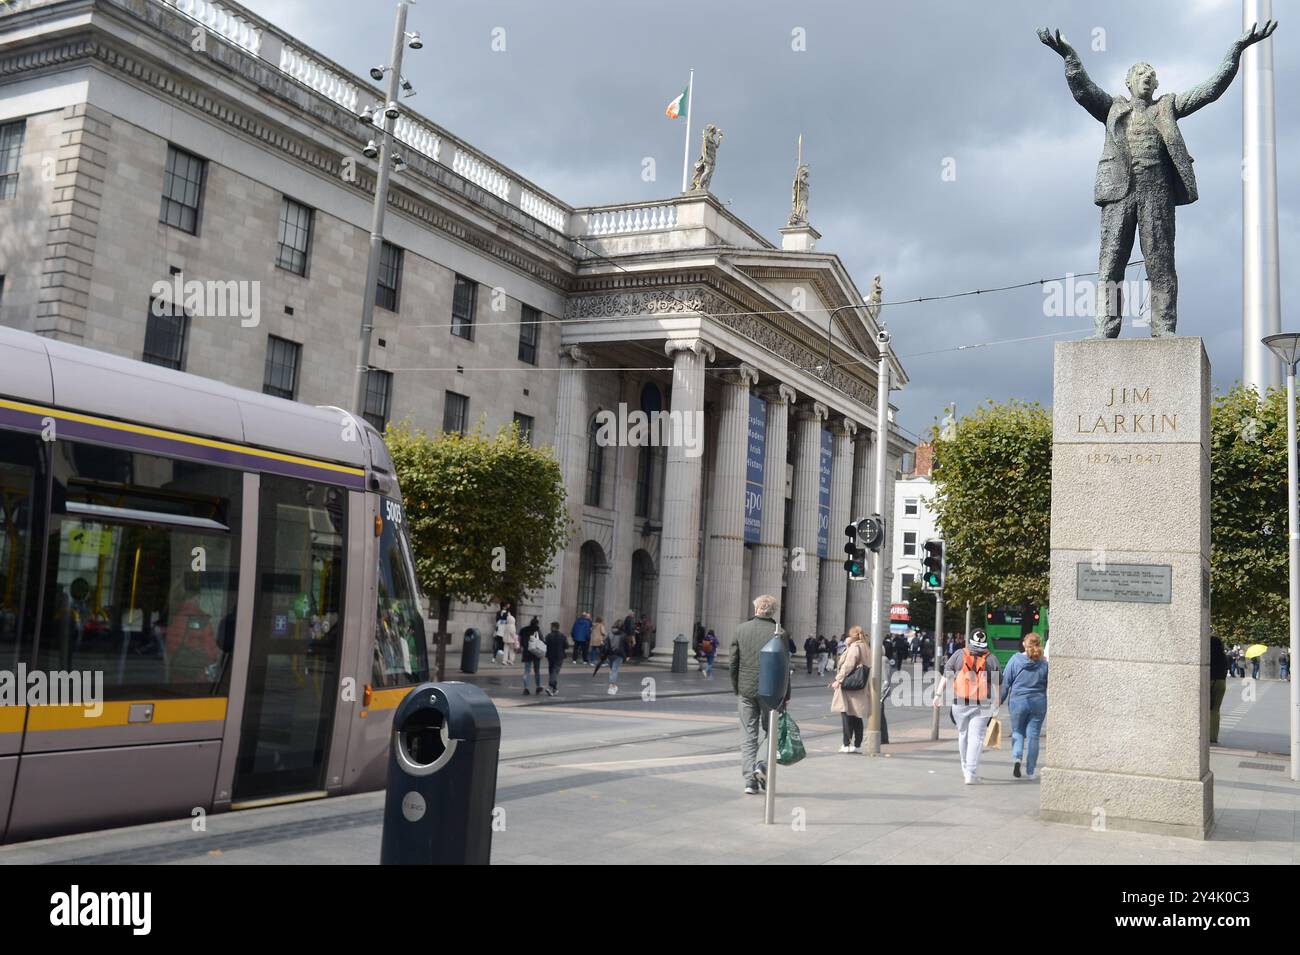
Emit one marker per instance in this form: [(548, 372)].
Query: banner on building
[(824, 498), (754, 456)]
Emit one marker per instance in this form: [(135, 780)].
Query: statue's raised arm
[(1088, 94), (1206, 93)]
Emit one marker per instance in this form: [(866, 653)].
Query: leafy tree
[(486, 515), (1248, 522), (993, 504)]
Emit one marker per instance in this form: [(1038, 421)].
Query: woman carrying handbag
[(852, 696)]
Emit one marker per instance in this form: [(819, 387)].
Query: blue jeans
[(536, 664), (614, 664), (1027, 714)]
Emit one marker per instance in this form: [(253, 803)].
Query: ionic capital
[(697, 345)]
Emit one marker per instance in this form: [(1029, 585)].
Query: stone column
[(768, 571), (858, 603), (724, 602), (834, 579), (799, 616), (572, 413), (679, 552)]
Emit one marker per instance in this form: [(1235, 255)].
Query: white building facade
[(133, 156), (914, 524)]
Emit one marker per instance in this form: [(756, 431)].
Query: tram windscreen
[(401, 653)]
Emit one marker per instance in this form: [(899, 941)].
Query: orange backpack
[(972, 683)]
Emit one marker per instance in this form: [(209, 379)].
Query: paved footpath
[(658, 781)]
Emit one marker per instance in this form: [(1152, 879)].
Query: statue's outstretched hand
[(1055, 41), (1256, 33)]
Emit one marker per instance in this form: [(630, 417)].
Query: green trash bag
[(789, 741)]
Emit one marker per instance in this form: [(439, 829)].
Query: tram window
[(401, 654), (21, 487), (141, 572)]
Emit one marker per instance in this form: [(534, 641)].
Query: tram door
[(293, 671), (21, 492)]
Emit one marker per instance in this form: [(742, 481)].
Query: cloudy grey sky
[(884, 93)]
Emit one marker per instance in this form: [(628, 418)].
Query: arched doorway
[(645, 585), (593, 572)]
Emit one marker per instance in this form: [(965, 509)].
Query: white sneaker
[(612, 689), (970, 780), (844, 749), (855, 749)]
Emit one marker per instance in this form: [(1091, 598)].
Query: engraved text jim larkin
[(1134, 418)]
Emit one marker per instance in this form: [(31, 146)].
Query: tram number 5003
[(393, 512)]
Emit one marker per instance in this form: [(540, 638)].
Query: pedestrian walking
[(750, 638), (1254, 668), (1284, 665), (505, 638), (852, 693), (901, 650), (823, 655), (1219, 666), (708, 650), (556, 644), (927, 652), (974, 674), (529, 655), (810, 652), (914, 646), (1024, 690), (597, 640), (612, 652), (581, 637)]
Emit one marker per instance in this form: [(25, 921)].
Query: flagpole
[(690, 108)]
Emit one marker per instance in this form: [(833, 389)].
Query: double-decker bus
[(1003, 626)]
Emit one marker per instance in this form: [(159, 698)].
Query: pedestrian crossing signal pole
[(933, 576), (879, 599)]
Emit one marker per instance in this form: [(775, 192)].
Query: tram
[(208, 599)]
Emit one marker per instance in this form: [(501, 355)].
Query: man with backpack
[(975, 676), (748, 643), (556, 643)]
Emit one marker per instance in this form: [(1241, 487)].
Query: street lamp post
[(871, 739), (390, 114), (1287, 347)]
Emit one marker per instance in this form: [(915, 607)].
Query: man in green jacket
[(749, 640)]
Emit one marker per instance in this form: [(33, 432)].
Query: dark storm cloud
[(884, 94)]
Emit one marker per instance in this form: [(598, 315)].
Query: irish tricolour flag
[(678, 107)]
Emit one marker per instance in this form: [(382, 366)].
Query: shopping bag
[(993, 735), (789, 741)]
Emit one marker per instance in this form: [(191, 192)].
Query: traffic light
[(933, 565), (856, 563), (870, 530)]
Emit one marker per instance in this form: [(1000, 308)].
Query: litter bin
[(680, 646), (442, 777), (469, 651)]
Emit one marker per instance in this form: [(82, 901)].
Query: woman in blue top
[(1024, 686)]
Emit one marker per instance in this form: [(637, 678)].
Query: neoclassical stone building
[(145, 141)]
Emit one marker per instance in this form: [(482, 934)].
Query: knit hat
[(978, 641)]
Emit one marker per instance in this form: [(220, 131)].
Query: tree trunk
[(444, 610), (1026, 620)]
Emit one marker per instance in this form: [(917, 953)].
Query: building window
[(528, 334), (595, 465), (379, 395), (11, 153), (645, 461), (281, 378), (909, 543), (390, 277), (165, 331), (295, 237), (908, 580), (910, 507), (182, 190), (462, 308), (587, 560), (455, 414), (525, 425)]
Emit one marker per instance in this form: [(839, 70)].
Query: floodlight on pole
[(377, 72), (1286, 346)]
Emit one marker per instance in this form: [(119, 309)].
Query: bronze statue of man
[(1144, 172)]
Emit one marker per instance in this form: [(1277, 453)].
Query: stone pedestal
[(1128, 701)]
